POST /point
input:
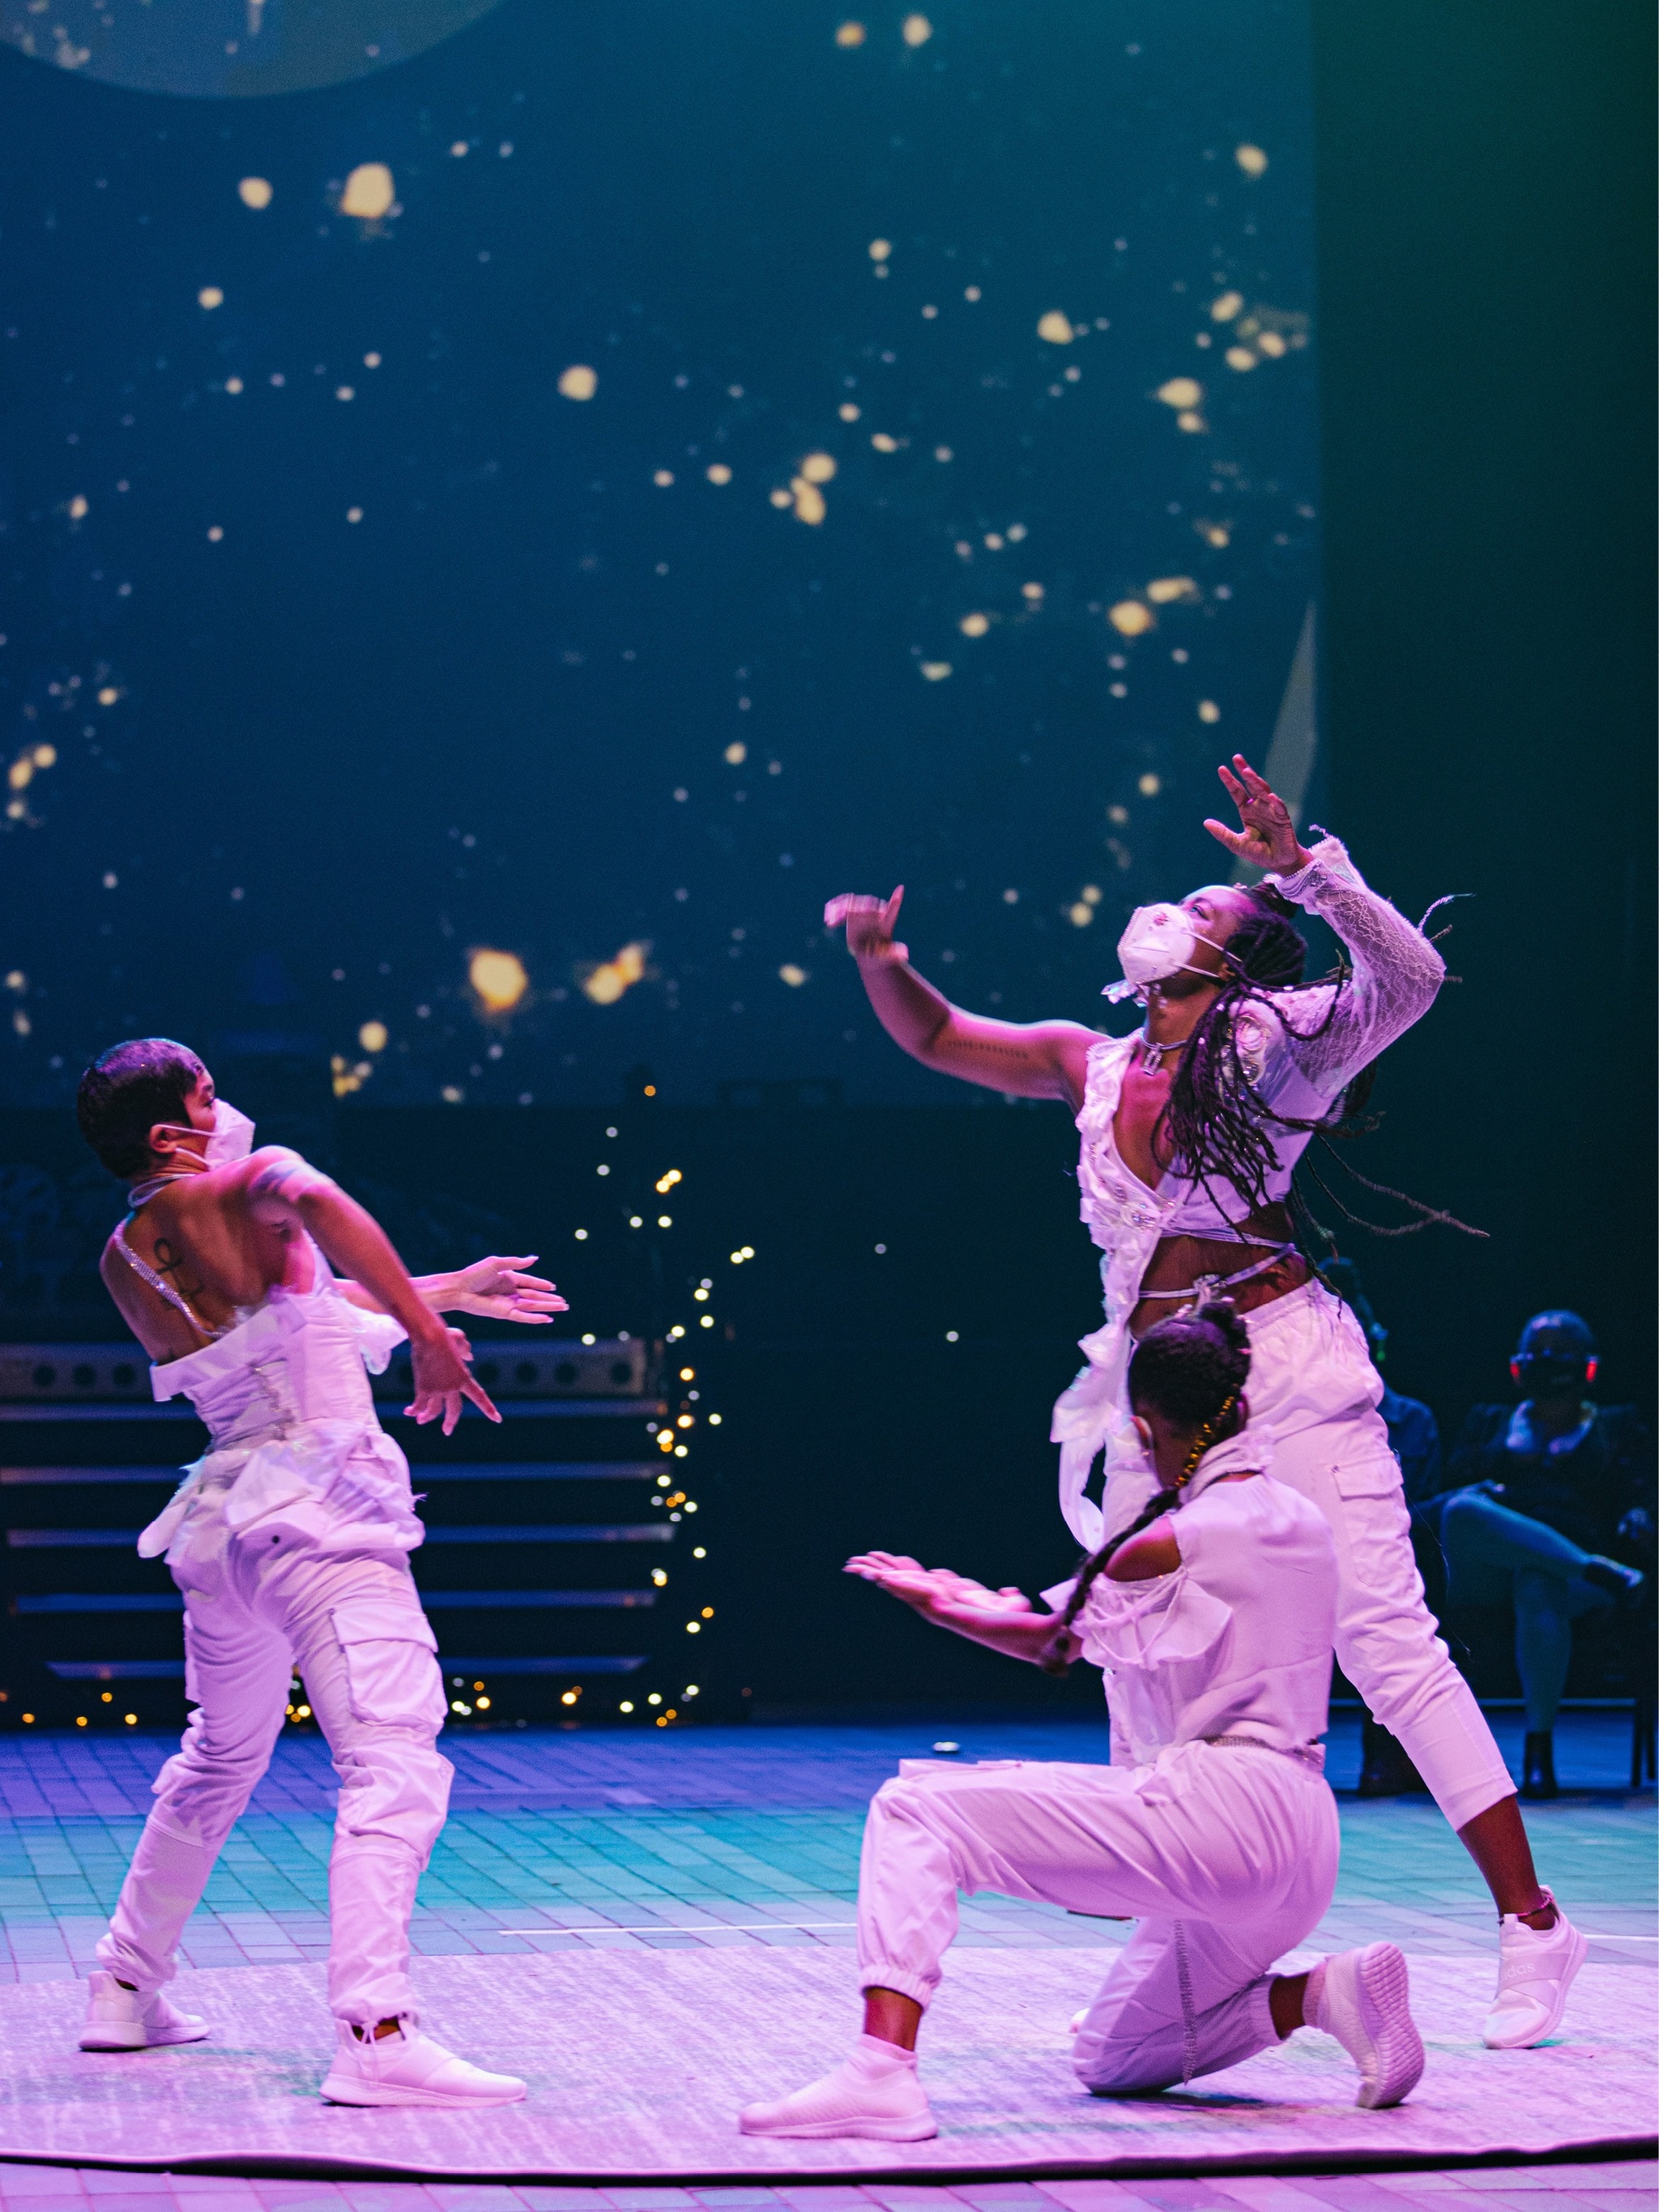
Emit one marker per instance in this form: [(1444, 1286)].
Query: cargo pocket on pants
[(392, 1670)]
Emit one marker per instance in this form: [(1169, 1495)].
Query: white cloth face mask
[(1159, 942)]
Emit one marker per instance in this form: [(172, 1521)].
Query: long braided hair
[(1192, 1368), (1214, 1119)]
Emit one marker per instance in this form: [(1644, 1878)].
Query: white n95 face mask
[(1159, 942), (229, 1139)]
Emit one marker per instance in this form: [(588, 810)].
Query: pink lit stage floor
[(638, 2063)]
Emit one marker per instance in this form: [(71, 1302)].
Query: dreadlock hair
[(1215, 1123), (1191, 1368)]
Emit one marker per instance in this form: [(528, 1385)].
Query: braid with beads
[(1191, 1368)]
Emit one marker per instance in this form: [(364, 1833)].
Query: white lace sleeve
[(1396, 971)]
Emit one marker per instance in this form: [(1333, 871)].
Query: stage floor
[(564, 1847)]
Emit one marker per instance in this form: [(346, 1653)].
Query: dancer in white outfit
[(1217, 1833), (290, 1541), (1191, 1130)]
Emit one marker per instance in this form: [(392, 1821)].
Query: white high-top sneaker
[(874, 2094), (1535, 1970), (410, 2069), (120, 2019), (1363, 1999)]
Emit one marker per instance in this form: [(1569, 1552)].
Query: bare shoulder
[(1154, 1552), (276, 1173)]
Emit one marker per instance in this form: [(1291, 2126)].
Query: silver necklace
[(1151, 1054), (140, 1193)]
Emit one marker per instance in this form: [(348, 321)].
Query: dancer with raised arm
[(1192, 1127), (1217, 1832), (290, 1541)]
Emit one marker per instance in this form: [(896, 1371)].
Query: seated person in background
[(1538, 1492), (1216, 1625), (1386, 1769)]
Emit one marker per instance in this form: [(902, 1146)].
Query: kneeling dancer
[(1216, 1626), (290, 1541)]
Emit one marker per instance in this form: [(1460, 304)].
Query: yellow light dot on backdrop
[(1251, 160), (884, 442), (21, 774), (847, 412), (974, 625), (578, 382), (851, 34), (77, 507), (608, 982), (1215, 533), (735, 755), (779, 497), (1208, 711), (880, 248), (1181, 391), (935, 672), (109, 695), (1032, 591), (1129, 618), (916, 30), (209, 297), (809, 501), (45, 755), (1055, 327), (818, 468), (1271, 344), (255, 192), (369, 191), (1081, 915), (1239, 358), (1150, 786), (1164, 591), (662, 478), (1224, 309), (717, 473), (499, 979), (373, 1036), (794, 976), (1187, 420)]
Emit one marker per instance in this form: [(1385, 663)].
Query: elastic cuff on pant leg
[(896, 1979), (1260, 1995)]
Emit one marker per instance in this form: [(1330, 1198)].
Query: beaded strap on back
[(147, 1273)]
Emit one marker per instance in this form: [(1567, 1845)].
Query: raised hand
[(443, 1376), (869, 924), (1266, 837), (932, 1590), (496, 1289)]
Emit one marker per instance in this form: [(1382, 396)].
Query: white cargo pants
[(1227, 1856), (353, 1626), (1311, 1377)]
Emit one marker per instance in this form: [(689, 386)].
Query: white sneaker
[(1535, 1970), (866, 2096), (120, 2019), (410, 2068), (1365, 2003)]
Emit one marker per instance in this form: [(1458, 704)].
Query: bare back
[(215, 1245)]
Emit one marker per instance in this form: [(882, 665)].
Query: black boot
[(1387, 1770), (1538, 1766)]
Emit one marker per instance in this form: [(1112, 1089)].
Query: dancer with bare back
[(290, 1541), (1192, 1127)]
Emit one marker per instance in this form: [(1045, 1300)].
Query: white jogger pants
[(1227, 1856), (353, 1626), (1312, 1378)]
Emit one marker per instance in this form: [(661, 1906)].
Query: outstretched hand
[(1266, 837), (497, 1289), (869, 924), (443, 1376), (935, 1589)]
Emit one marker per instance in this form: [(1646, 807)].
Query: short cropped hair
[(126, 1090)]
